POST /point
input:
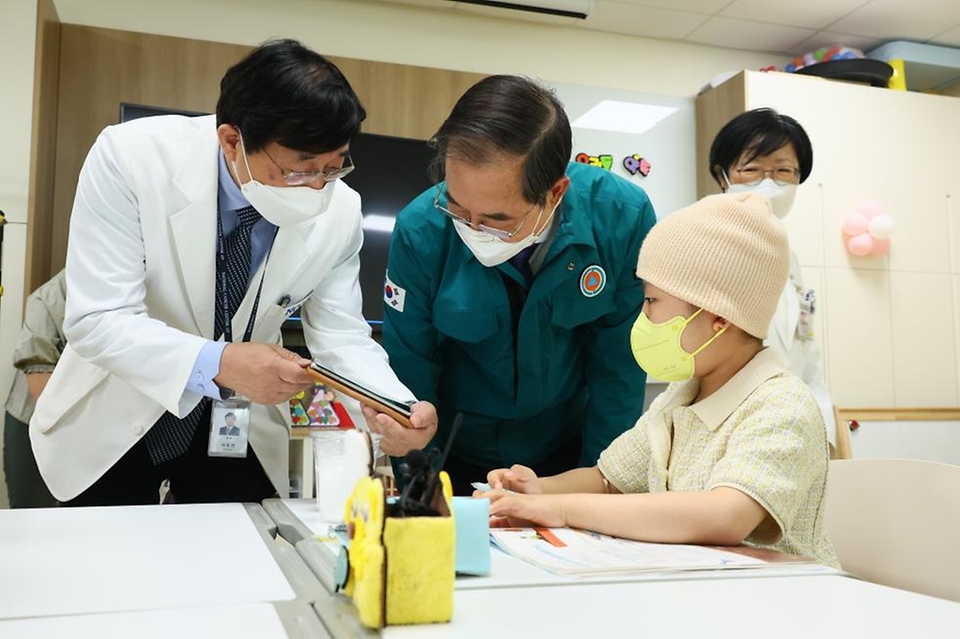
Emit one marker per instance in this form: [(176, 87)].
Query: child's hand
[(516, 510), (517, 478)]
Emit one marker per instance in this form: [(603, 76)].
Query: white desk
[(805, 608), (306, 512), (520, 600), (104, 563), (249, 621)]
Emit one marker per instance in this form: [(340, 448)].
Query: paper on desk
[(570, 552)]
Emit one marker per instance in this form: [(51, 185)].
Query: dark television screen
[(390, 173), (134, 111)]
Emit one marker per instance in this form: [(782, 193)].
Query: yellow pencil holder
[(401, 569)]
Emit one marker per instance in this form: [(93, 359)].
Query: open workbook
[(580, 553)]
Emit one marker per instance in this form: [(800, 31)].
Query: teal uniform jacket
[(571, 371)]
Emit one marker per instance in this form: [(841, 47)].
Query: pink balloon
[(860, 245), (880, 247), (855, 224), (869, 209)]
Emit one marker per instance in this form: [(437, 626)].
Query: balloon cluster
[(867, 230), (823, 54)]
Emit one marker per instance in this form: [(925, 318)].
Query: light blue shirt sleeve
[(205, 369)]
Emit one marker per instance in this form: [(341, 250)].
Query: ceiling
[(759, 25)]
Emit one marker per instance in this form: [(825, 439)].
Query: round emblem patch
[(592, 281)]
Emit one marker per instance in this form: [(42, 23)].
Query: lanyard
[(222, 286)]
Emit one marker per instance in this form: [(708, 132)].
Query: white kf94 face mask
[(490, 250), (781, 196), (284, 206)]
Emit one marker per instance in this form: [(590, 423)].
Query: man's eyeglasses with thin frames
[(301, 178), (489, 230)]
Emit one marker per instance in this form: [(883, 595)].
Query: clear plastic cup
[(341, 457)]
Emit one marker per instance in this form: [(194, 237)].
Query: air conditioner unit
[(565, 8)]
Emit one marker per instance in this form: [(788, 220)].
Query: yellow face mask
[(657, 349)]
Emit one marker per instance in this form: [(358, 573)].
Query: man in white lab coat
[(191, 240)]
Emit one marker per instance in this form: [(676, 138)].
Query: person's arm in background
[(36, 382), (816, 382), (41, 340), (614, 380)]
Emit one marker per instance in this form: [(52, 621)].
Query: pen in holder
[(401, 555)]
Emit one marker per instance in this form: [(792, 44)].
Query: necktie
[(517, 296), (170, 437), (236, 248), (521, 261)]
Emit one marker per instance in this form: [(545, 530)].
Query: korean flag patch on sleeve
[(393, 295)]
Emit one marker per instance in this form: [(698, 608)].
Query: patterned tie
[(170, 437), (236, 248)]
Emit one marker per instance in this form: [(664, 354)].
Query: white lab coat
[(140, 304), (802, 357)]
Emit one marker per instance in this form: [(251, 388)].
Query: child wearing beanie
[(734, 451)]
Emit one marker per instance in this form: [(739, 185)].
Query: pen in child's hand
[(485, 488)]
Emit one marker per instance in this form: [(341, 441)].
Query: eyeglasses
[(498, 233), (300, 178), (782, 175)]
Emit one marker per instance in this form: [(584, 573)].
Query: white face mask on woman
[(781, 196), (284, 206), (490, 250)]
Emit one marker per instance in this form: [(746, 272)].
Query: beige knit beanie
[(727, 254)]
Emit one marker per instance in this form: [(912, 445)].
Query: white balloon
[(881, 227)]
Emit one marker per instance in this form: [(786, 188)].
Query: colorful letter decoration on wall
[(635, 164), (604, 161)]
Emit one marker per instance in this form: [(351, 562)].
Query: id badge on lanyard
[(229, 427), (808, 307), (230, 418)]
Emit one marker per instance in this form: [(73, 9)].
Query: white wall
[(17, 39), (669, 146), (372, 30)]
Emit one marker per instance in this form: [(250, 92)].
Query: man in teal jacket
[(510, 290)]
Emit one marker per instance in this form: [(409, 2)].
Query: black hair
[(284, 92), (758, 133), (511, 115), (229, 415)]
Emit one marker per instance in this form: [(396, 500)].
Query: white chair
[(897, 522)]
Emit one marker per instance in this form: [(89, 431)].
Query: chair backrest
[(897, 522)]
